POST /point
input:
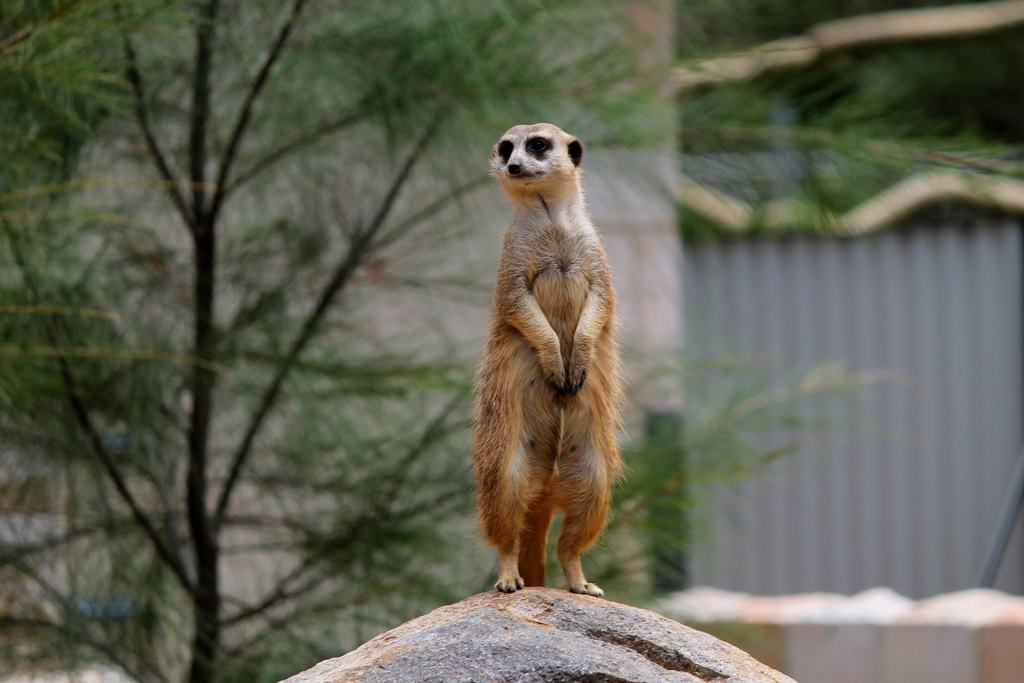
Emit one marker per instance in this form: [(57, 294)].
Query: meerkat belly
[(561, 290)]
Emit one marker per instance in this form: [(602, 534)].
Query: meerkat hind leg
[(576, 536), (509, 580), (526, 479), (584, 492), (533, 541), (516, 495), (501, 508)]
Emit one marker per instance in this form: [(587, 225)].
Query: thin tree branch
[(361, 246), (13, 552), (433, 432), (26, 32), (18, 36), (280, 594), (79, 636), (363, 525), (287, 622), (437, 429), (432, 208), (843, 35), (84, 420), (257, 521), (234, 141), (265, 162), (96, 441), (168, 176)]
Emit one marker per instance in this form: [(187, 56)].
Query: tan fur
[(548, 385)]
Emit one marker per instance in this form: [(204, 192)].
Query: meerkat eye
[(536, 146), (505, 150)]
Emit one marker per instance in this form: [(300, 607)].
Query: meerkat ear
[(575, 152)]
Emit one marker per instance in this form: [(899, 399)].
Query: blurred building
[(903, 486), (854, 195)]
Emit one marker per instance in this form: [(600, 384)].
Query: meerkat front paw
[(509, 584), (554, 373), (587, 589), (577, 371), (574, 382)]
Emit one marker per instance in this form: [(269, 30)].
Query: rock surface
[(542, 634)]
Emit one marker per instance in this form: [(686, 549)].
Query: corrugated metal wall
[(905, 490)]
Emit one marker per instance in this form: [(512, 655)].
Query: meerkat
[(547, 387)]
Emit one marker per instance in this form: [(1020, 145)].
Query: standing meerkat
[(548, 387)]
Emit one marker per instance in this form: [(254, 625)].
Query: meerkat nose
[(513, 169)]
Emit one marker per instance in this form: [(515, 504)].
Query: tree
[(845, 117), (214, 195)]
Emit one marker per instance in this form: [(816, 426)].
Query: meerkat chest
[(561, 275)]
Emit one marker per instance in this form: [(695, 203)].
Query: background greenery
[(853, 123), (205, 206), (250, 465)]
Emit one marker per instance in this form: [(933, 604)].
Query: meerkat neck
[(565, 208)]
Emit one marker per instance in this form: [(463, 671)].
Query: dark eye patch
[(537, 146), (505, 150)]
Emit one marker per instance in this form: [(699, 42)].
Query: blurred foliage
[(852, 124), (740, 416), (332, 171), (56, 84), (331, 162)]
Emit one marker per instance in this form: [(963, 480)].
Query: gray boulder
[(541, 634)]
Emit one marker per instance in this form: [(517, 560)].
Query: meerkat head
[(538, 158)]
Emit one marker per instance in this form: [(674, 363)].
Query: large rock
[(542, 634)]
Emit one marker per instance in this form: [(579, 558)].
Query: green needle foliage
[(228, 451), (837, 132), (739, 417)]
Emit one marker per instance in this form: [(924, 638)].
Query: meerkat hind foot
[(509, 585), (587, 589)]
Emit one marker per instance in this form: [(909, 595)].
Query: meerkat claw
[(509, 585), (556, 381), (587, 589), (574, 386), (570, 388)]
